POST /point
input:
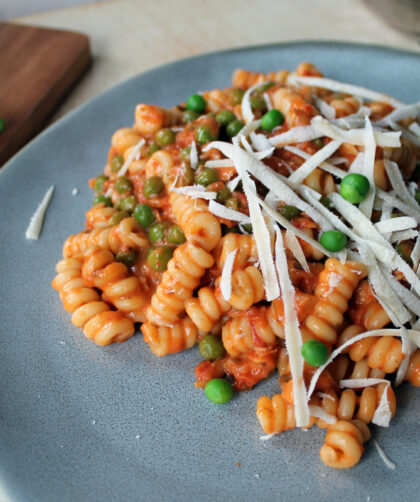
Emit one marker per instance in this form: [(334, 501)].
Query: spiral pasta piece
[(217, 100), (345, 106), (296, 110), (124, 139), (165, 340), (99, 216), (118, 285), (413, 370), (128, 234), (405, 156), (182, 276), (200, 227), (247, 288), (150, 118), (160, 164), (90, 314), (244, 79), (242, 335), (207, 308), (320, 181), (343, 446), (81, 242), (349, 405), (335, 287), (277, 414), (245, 247), (365, 310), (304, 304)]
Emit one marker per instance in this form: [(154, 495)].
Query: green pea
[(290, 212), (264, 87), (204, 135), (101, 198), (184, 154), (153, 186), (230, 230), (219, 391), (196, 103), (128, 257), (127, 203), (333, 240), (99, 183), (190, 116), (417, 195), (234, 127), (314, 352), (235, 96), (211, 347), (1, 124), (404, 250), (153, 147), (258, 103), (176, 235), (157, 232), (123, 185), (223, 194), (272, 119), (225, 117), (165, 137), (207, 176), (232, 203), (247, 227), (354, 187), (318, 142), (116, 163), (159, 257), (188, 175), (144, 215), (117, 217), (325, 201)]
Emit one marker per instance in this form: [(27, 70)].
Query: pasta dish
[(275, 224)]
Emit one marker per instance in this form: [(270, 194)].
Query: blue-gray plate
[(84, 423)]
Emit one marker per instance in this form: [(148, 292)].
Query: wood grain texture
[(38, 67)]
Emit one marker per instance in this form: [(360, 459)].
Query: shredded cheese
[(37, 219), (334, 85), (384, 458), (132, 156), (395, 224), (218, 163), (368, 167), (326, 109), (226, 279), (313, 162), (318, 412), (193, 156), (397, 183), (293, 336), (295, 135), (354, 136), (227, 213), (195, 192), (246, 107), (293, 244), (383, 415), (359, 383)]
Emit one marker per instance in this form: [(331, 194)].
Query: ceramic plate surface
[(83, 423)]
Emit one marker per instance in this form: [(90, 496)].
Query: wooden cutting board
[(38, 67)]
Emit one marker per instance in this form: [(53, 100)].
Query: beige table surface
[(131, 36)]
